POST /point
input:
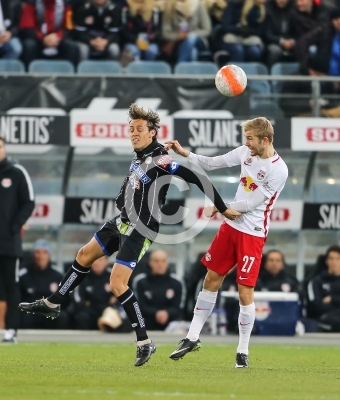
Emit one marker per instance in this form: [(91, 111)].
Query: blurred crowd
[(267, 31), (167, 300)]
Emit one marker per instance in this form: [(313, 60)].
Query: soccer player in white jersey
[(239, 242)]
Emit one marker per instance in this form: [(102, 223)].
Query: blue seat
[(288, 68), (51, 67), (11, 66), (255, 68), (196, 68), (252, 68), (99, 67), (265, 107), (148, 67)]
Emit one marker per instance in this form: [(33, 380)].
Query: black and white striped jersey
[(144, 190)]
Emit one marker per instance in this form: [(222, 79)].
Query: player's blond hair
[(261, 126), (151, 117)]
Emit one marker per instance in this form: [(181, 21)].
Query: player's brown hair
[(3, 140), (151, 117), (261, 126)]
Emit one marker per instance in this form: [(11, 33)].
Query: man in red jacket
[(44, 27)]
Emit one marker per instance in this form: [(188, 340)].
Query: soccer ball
[(231, 80)]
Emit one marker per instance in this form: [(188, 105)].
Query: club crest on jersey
[(164, 161), (248, 184), (139, 173), (260, 175)]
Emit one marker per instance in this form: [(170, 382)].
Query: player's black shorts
[(116, 235)]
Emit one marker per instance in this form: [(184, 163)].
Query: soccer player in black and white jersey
[(131, 233)]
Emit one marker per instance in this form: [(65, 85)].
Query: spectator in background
[(10, 13), (318, 53), (160, 294), (215, 9), (39, 279), (185, 30), (95, 305), (279, 32), (307, 15), (243, 25), (324, 293), (273, 277), (97, 24), (16, 206), (140, 31), (321, 46), (45, 26)]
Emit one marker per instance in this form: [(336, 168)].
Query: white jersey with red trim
[(267, 175)]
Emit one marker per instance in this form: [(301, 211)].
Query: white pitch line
[(183, 394)]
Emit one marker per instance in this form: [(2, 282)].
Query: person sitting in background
[(279, 32), (324, 293), (318, 53), (45, 26), (215, 9), (323, 45), (10, 13), (97, 24), (40, 279), (95, 305), (140, 31), (273, 277), (185, 30), (307, 15), (243, 25), (160, 294)]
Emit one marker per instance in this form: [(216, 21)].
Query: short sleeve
[(167, 163), (274, 182)]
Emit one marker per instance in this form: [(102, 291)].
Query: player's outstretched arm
[(242, 206), (202, 182), (207, 163)]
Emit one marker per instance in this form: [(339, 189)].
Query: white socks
[(246, 320), (204, 305)]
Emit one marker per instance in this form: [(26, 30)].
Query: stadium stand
[(148, 67), (11, 66), (197, 68), (51, 67), (99, 67)]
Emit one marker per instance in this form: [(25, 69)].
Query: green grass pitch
[(62, 371)]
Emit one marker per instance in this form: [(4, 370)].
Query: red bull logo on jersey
[(248, 184), (262, 310)]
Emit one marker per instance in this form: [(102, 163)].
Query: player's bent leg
[(245, 323), (204, 305), (89, 253), (119, 286), (50, 307)]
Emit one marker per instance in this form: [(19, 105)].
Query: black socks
[(74, 276), (129, 302)]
